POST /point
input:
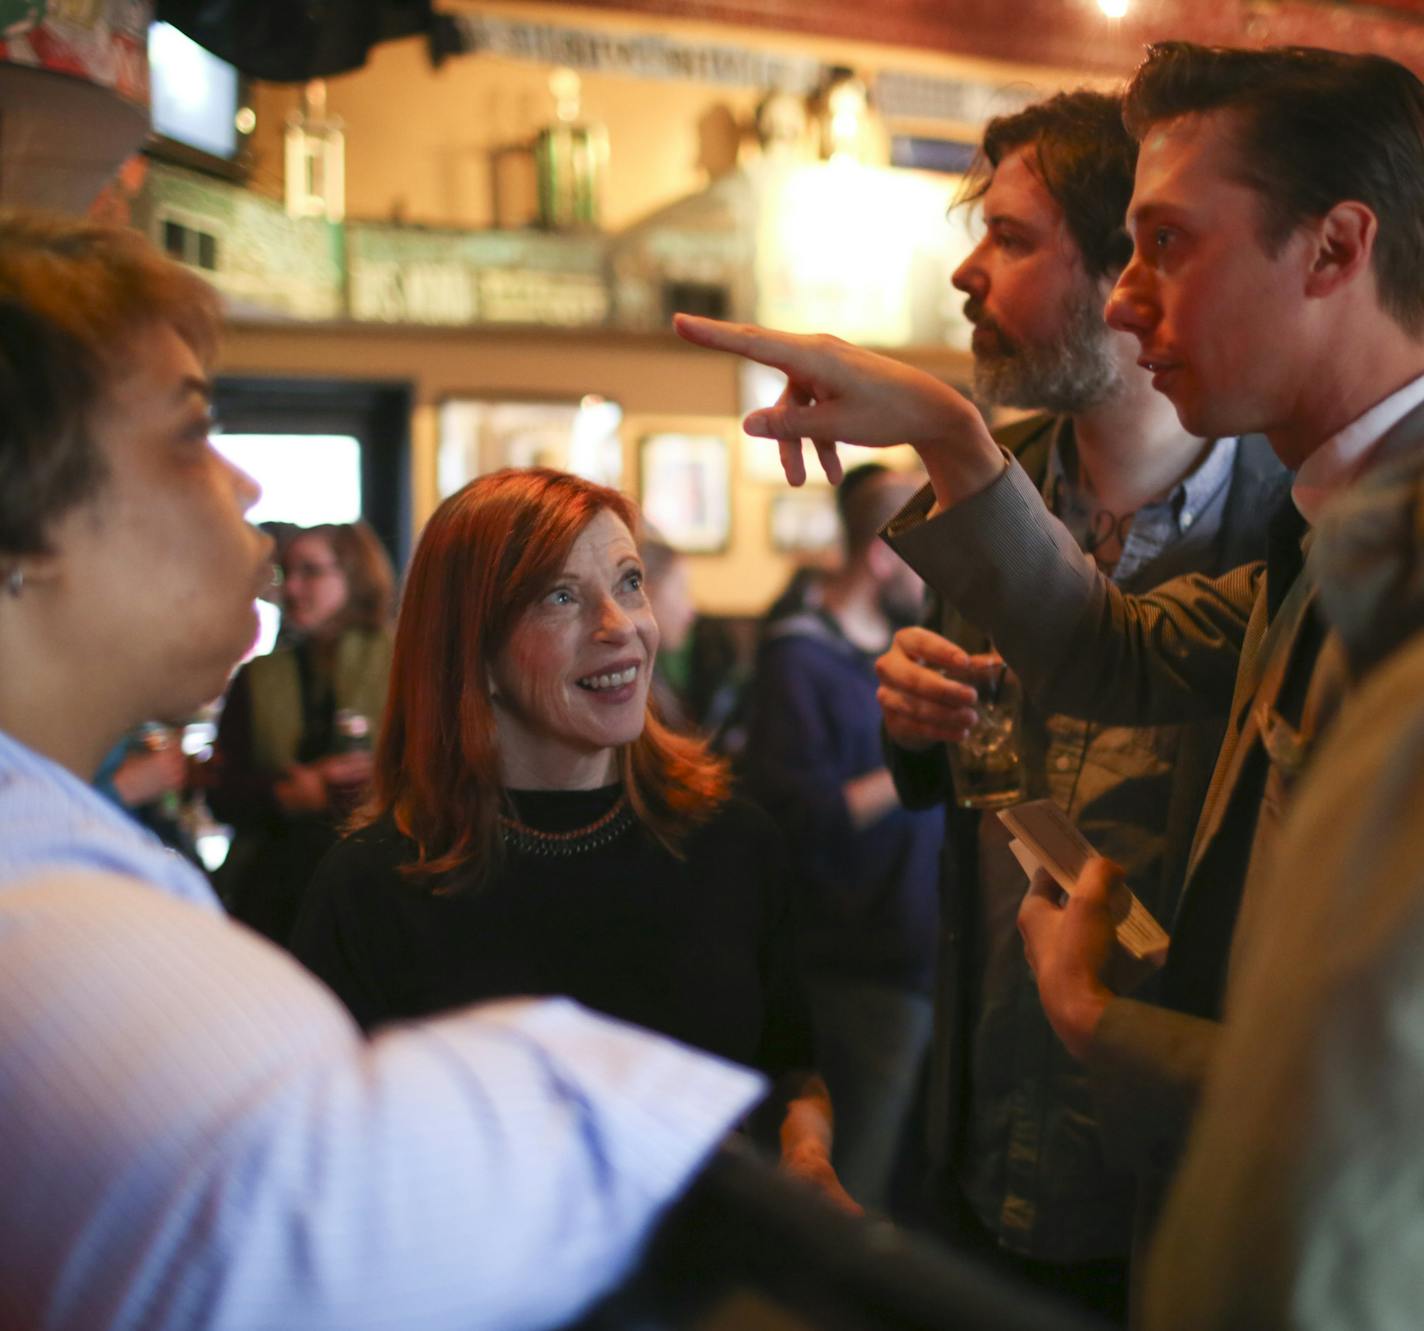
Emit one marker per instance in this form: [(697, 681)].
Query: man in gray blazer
[(1020, 1170), (1276, 284)]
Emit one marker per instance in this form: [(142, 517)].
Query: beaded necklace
[(603, 830)]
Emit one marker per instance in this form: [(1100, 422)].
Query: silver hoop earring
[(15, 581)]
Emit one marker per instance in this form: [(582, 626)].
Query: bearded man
[(1021, 1171)]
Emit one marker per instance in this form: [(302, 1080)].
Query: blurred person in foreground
[(1022, 1171), (864, 867), (535, 829), (1298, 1202), (1276, 284), (293, 752), (197, 1136)]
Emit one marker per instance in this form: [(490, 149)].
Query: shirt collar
[(42, 767), (65, 821), (1187, 498), (1342, 457), (1203, 483)]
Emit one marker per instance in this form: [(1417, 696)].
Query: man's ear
[(1344, 243)]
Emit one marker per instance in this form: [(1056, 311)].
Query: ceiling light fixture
[(1113, 8)]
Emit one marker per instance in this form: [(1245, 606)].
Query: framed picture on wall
[(804, 521), (685, 483), (479, 435)]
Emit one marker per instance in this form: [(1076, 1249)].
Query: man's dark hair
[(1085, 159), (1313, 128), (866, 499)]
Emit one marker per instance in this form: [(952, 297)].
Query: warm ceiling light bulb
[(1113, 8)]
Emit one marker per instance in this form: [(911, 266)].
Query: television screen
[(195, 96)]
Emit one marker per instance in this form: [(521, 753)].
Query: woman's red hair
[(488, 553)]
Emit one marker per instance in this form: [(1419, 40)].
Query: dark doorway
[(375, 414)]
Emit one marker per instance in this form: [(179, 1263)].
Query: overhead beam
[(1071, 34)]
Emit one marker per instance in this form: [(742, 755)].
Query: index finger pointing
[(779, 350)]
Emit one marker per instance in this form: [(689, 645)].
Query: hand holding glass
[(987, 764)]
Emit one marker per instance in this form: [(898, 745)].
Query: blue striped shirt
[(193, 1133)]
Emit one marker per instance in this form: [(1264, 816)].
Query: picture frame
[(482, 434), (804, 522), (685, 482)]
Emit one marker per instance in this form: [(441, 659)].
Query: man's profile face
[(1039, 336), (1222, 326), (159, 570)]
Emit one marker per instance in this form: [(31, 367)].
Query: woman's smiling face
[(571, 684)]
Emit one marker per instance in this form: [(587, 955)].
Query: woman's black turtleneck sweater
[(698, 948)]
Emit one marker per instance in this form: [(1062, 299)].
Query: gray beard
[(1073, 372)]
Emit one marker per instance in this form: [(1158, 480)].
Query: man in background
[(864, 866)]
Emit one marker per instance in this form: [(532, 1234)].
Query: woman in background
[(534, 829), (293, 752)]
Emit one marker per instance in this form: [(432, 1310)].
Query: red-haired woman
[(534, 829)]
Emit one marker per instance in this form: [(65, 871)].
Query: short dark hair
[(866, 499), (1086, 160), (71, 296), (1313, 128)]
